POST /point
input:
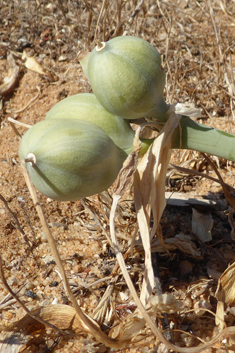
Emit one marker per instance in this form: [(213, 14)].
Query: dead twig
[(29, 103)]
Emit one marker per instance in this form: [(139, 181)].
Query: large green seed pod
[(69, 159), (85, 106), (127, 78)]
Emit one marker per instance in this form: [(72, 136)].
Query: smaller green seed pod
[(127, 78), (70, 159), (85, 106)]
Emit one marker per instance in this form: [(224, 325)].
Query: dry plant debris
[(196, 40)]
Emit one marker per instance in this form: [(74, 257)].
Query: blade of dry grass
[(87, 324), (149, 186)]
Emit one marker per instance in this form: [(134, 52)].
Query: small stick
[(14, 122), (30, 102)]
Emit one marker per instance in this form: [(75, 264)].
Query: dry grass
[(196, 40)]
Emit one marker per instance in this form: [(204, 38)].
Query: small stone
[(39, 294), (43, 237), (54, 284), (45, 302), (30, 294), (77, 268), (50, 343), (12, 281), (48, 259)]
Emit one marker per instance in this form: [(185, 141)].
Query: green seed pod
[(85, 106), (69, 159), (127, 78)]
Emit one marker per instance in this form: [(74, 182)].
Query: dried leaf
[(231, 222), (181, 242), (202, 223), (225, 291), (62, 316), (226, 190), (219, 319), (33, 65), (149, 184), (20, 332), (189, 111), (12, 77)]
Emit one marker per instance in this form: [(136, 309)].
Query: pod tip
[(31, 158), (100, 45)]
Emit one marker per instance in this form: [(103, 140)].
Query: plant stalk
[(202, 138), (198, 137)]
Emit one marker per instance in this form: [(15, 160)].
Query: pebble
[(30, 294), (12, 281), (77, 268), (39, 294), (45, 302), (43, 237), (50, 343), (54, 284)]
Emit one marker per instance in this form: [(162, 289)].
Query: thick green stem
[(202, 138)]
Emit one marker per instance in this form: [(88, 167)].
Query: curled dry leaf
[(33, 65), (226, 286), (225, 293), (181, 242), (12, 77), (149, 186), (62, 316), (19, 333), (189, 111)]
